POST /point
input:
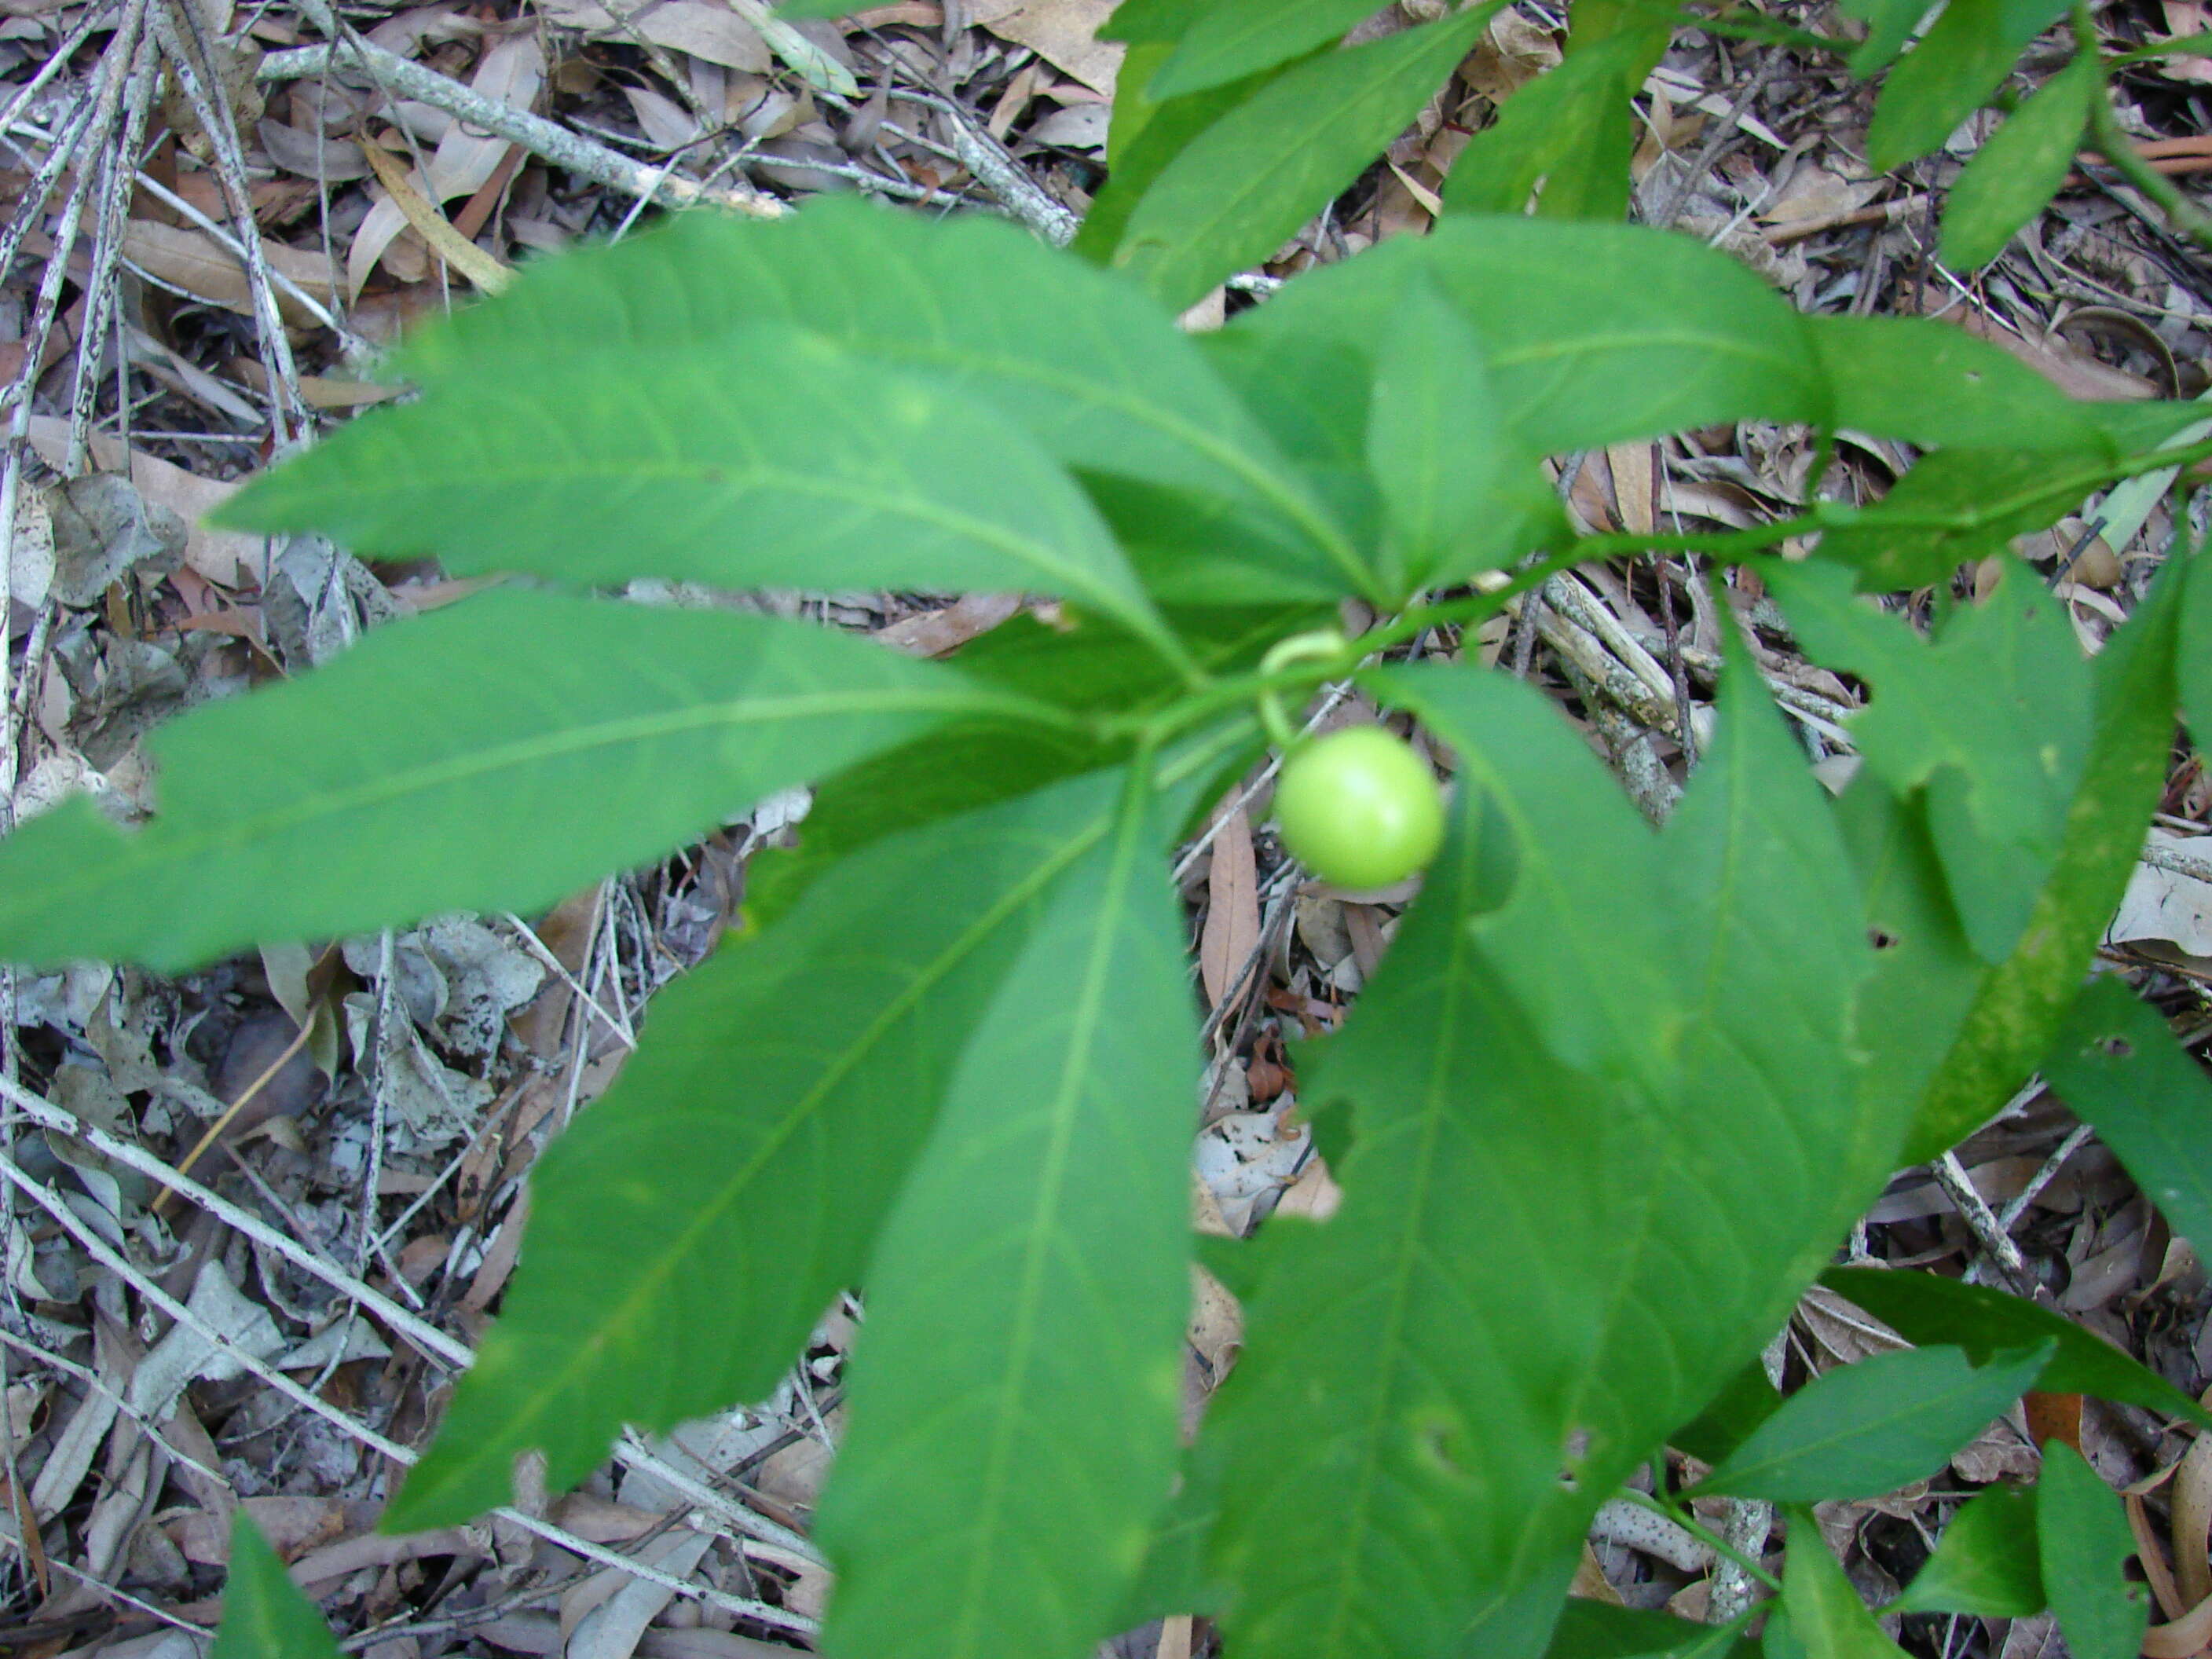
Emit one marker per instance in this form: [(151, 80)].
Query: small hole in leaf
[(2118, 1048), (1433, 1432), (1882, 939)]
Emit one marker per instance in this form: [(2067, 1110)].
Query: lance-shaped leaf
[(2117, 1064), (1889, 24), (759, 457), (1935, 385), (2195, 659), (1391, 1427), (492, 756), (1146, 136), (1828, 1620), (1420, 1371), (967, 764), (1957, 505), (1571, 130), (1991, 717), (1596, 1629), (1926, 975), (2013, 175), (1865, 1429), (1232, 38), (264, 1613), (1014, 1404), (2083, 1542), (1153, 22), (1435, 444), (1929, 1308), (2020, 1002), (1955, 69), (746, 1155), (1090, 370), (1985, 1564), (1284, 153), (1593, 334)]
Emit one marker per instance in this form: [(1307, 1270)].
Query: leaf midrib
[(399, 485), (1362, 1504), (1267, 484), (156, 846), (1065, 1110)]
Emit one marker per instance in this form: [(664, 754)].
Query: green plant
[(982, 1114)]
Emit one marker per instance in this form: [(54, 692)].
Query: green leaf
[(1232, 38), (2021, 1002), (265, 1616), (747, 1154), (1231, 196), (1776, 1640), (420, 772), (1146, 136), (1434, 445), (2194, 659), (1926, 975), (1392, 1436), (1571, 130), (1991, 717), (2117, 1064), (1196, 552), (1955, 69), (966, 764), (1954, 506), (1592, 1629), (2083, 1541), (1986, 1564), (1088, 368), (1745, 1400), (1016, 1397), (1933, 384), (1390, 1419), (1594, 333), (1153, 22), (761, 457), (1889, 25), (1826, 1618), (1865, 1429), (2014, 174), (1927, 1307)]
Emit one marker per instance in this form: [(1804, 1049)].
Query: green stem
[(1248, 691), (2184, 46), (2119, 148)]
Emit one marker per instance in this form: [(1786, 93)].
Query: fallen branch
[(545, 139)]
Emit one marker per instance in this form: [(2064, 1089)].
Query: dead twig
[(545, 139)]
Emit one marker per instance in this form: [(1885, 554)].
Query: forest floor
[(390, 1143)]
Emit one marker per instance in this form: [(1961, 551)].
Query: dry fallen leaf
[(2167, 905), (195, 262), (1232, 910), (2185, 18), (511, 73), (1064, 32), (698, 29), (216, 554)]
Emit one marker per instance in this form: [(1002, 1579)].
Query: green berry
[(1359, 808)]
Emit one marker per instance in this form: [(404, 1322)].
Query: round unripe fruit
[(1359, 808)]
